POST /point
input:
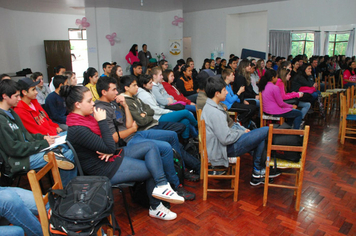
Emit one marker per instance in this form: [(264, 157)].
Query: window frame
[(305, 40), (336, 42), (77, 29)]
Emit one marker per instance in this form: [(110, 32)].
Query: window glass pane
[(331, 37), (340, 48), (342, 37), (75, 34), (309, 49), (84, 34), (297, 48), (310, 36), (300, 36), (331, 49)]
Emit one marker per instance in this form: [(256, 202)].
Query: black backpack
[(82, 207)]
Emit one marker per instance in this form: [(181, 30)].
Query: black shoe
[(259, 181), (258, 174), (62, 162), (188, 196), (190, 176)]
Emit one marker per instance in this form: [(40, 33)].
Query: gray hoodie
[(218, 133)]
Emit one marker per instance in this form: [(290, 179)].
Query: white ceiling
[(78, 6)]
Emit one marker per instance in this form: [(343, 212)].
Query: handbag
[(175, 107), (122, 143)]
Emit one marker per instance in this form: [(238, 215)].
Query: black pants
[(245, 112)]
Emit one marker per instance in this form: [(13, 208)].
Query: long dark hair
[(268, 76), (301, 70), (183, 69), (115, 76), (72, 94), (143, 80), (90, 72), (350, 69), (241, 70), (133, 49)]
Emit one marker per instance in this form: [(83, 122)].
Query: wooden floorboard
[(328, 204)]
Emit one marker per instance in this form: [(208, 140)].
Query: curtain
[(326, 43), (317, 45), (350, 44), (280, 42)]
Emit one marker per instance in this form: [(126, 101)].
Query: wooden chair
[(264, 117), (326, 97), (41, 200), (347, 121), (199, 111), (233, 172), (299, 166)]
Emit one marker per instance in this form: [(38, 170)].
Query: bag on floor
[(82, 207)]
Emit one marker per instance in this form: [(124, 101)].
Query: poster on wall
[(175, 46)]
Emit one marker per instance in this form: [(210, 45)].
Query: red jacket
[(36, 121), (175, 93)]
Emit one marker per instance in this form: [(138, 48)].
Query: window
[(302, 43), (338, 43), (79, 51)]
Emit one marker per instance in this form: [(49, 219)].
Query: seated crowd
[(129, 127)]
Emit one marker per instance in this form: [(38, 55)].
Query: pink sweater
[(286, 96), (272, 101), (131, 58)]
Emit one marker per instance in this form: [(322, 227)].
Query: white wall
[(21, 43), (209, 28)]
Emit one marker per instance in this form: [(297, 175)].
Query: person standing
[(144, 57)]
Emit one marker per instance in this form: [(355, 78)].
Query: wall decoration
[(82, 23), (113, 39), (175, 46), (178, 21)]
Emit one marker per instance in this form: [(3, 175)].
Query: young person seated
[(273, 103), (42, 88), (54, 105), (18, 207), (117, 73), (223, 142), (32, 114), (349, 77), (58, 70), (233, 102), (183, 116), (122, 126), (98, 154), (72, 78), (136, 69), (91, 77), (185, 84), (107, 69), (18, 142), (293, 97)]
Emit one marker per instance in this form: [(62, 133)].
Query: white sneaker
[(166, 193), (161, 212), (232, 160)]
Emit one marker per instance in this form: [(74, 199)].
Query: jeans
[(19, 208), (315, 95), (246, 112), (193, 97), (142, 163), (348, 85), (165, 140), (191, 108), (37, 162), (173, 126), (182, 116), (294, 117), (253, 141), (305, 107), (253, 99)]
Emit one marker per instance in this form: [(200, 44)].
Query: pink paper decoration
[(112, 38), (82, 23), (177, 20)]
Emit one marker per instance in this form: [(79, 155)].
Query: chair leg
[(265, 192), (299, 190), (296, 182), (205, 184), (201, 166), (237, 177), (127, 209)]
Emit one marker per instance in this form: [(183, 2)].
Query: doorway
[(187, 47)]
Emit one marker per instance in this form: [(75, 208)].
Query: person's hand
[(241, 90), (246, 102), (170, 101), (257, 97), (121, 100), (134, 125), (59, 130), (192, 103), (247, 130), (99, 114), (315, 85), (143, 114), (301, 94), (49, 139), (295, 106), (104, 156)]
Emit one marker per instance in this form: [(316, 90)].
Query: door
[(187, 47), (57, 53)]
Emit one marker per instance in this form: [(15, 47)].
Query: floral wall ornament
[(82, 23), (113, 38), (161, 55), (178, 21)]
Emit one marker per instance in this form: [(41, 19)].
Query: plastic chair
[(264, 117), (234, 171), (299, 166)]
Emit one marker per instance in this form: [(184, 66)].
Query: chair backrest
[(331, 80), (203, 141), (302, 149), (41, 200), (76, 159), (317, 80), (261, 109), (199, 111)]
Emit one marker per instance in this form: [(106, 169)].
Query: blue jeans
[(253, 99), (191, 108), (253, 142), (294, 117), (348, 85), (315, 95), (305, 107), (173, 126), (182, 116), (142, 163), (193, 97), (19, 208), (37, 162), (165, 140)]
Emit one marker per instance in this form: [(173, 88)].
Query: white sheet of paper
[(57, 141)]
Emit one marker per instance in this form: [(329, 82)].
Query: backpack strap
[(51, 200)]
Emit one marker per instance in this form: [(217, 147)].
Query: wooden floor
[(328, 204)]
